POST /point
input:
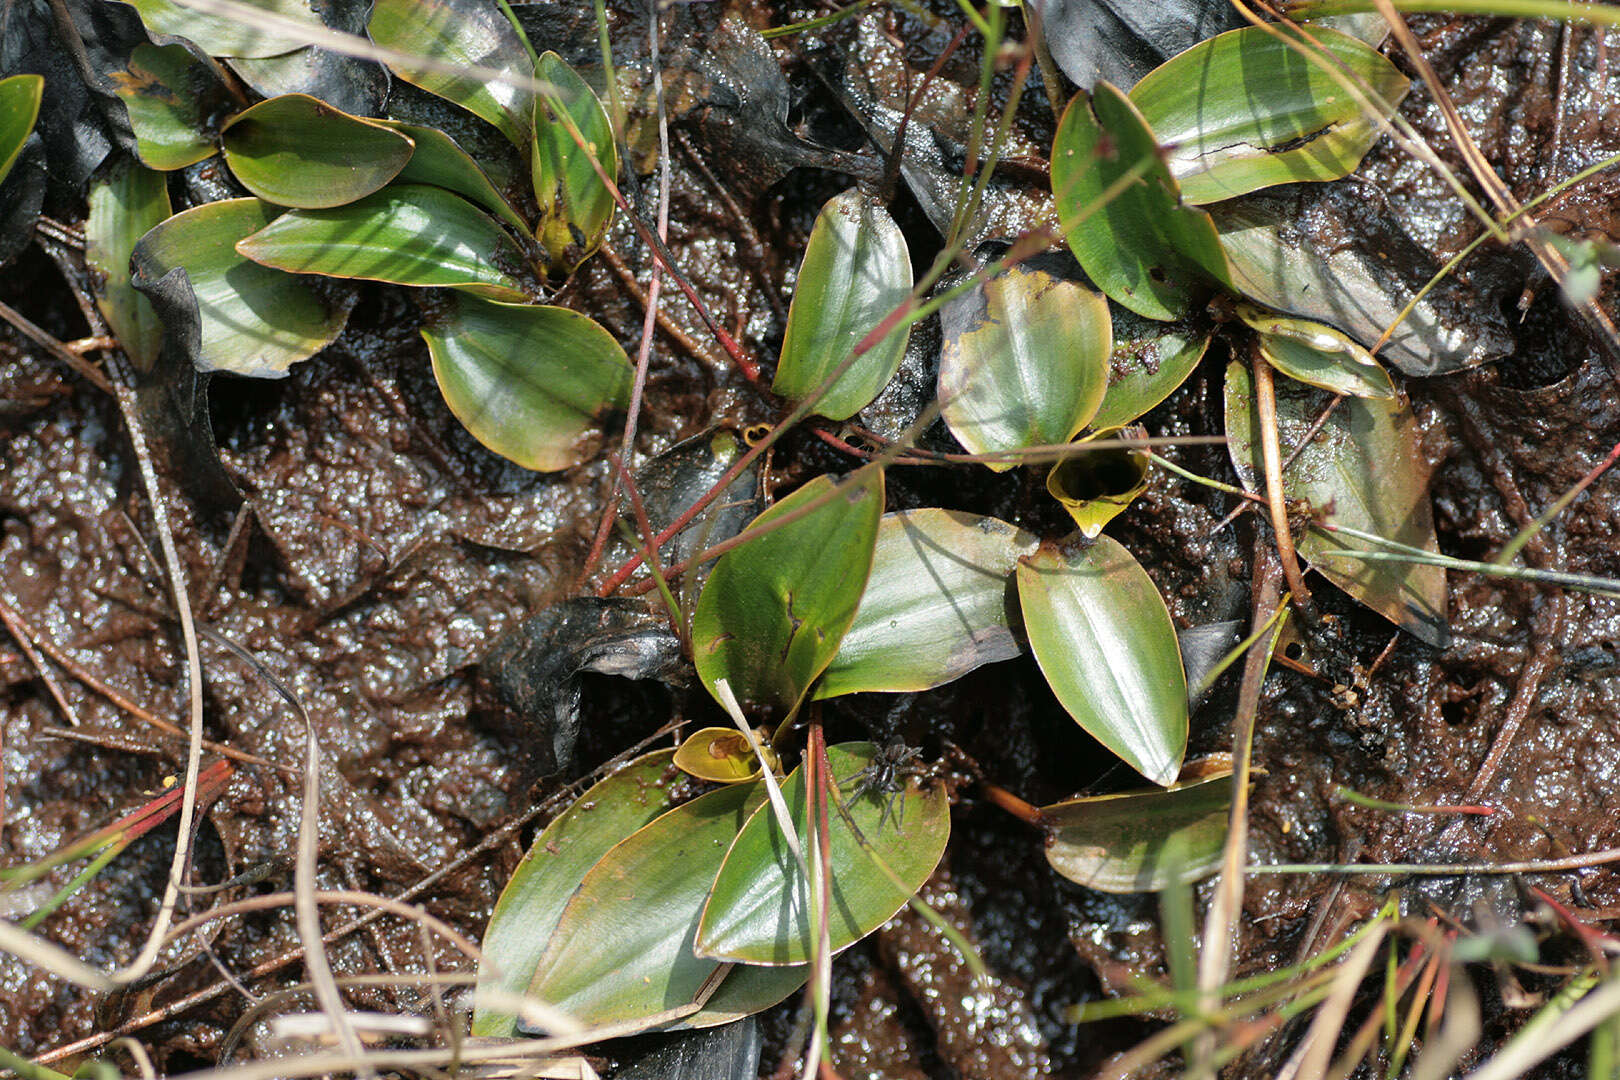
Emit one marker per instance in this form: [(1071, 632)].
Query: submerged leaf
[(575, 205), (758, 912), (531, 382), (19, 108), (1024, 360), (534, 897), (1140, 841), (1143, 248), (465, 33), (1317, 355), (1336, 253), (1105, 642), (1248, 109), (254, 320), (407, 234), (935, 606), (125, 204), (775, 609), (296, 150), (1364, 470), (164, 92), (856, 271), (221, 35)]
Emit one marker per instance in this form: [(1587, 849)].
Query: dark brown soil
[(382, 551)]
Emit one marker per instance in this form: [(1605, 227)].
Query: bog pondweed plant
[(734, 897)]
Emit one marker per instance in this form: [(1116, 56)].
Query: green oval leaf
[(464, 33), (935, 606), (1143, 248), (1317, 355), (164, 90), (856, 271), (1150, 360), (1246, 109), (758, 912), (254, 320), (530, 382), (1364, 469), (19, 108), (1104, 640), (622, 949), (575, 206), (1024, 361), (439, 160), (220, 35), (125, 203), (556, 863), (295, 150), (407, 234), (1140, 841), (774, 610), (1094, 485)]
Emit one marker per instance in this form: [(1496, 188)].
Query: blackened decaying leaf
[(80, 120), (359, 87), (173, 396), (528, 684), (683, 474), (727, 1052), (21, 196), (1119, 41)]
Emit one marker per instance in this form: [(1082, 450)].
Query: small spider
[(885, 780)]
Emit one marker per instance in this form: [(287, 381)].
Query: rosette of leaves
[(350, 197)]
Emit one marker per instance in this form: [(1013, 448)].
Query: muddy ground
[(380, 552)]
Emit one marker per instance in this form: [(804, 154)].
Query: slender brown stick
[(19, 632), (1265, 401)]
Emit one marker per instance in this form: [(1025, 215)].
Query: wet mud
[(380, 554)]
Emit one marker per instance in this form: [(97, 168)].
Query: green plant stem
[(517, 28), (1597, 14), (1398, 552), (1528, 533), (1271, 625), (1532, 866), (80, 880), (830, 19)]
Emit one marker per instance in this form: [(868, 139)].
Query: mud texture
[(380, 553)]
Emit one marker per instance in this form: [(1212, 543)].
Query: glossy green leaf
[(126, 202), (1137, 841), (461, 32), (774, 610), (408, 234), (439, 160), (1095, 485), (220, 35), (1365, 470), (719, 755), (557, 861), (531, 382), (1024, 361), (622, 950), (1104, 640), (856, 271), (1143, 248), (165, 91), (254, 320), (19, 108), (1150, 360), (575, 206), (1317, 355), (759, 910), (1245, 109), (295, 150), (935, 606)]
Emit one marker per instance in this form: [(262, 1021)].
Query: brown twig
[(1265, 402)]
